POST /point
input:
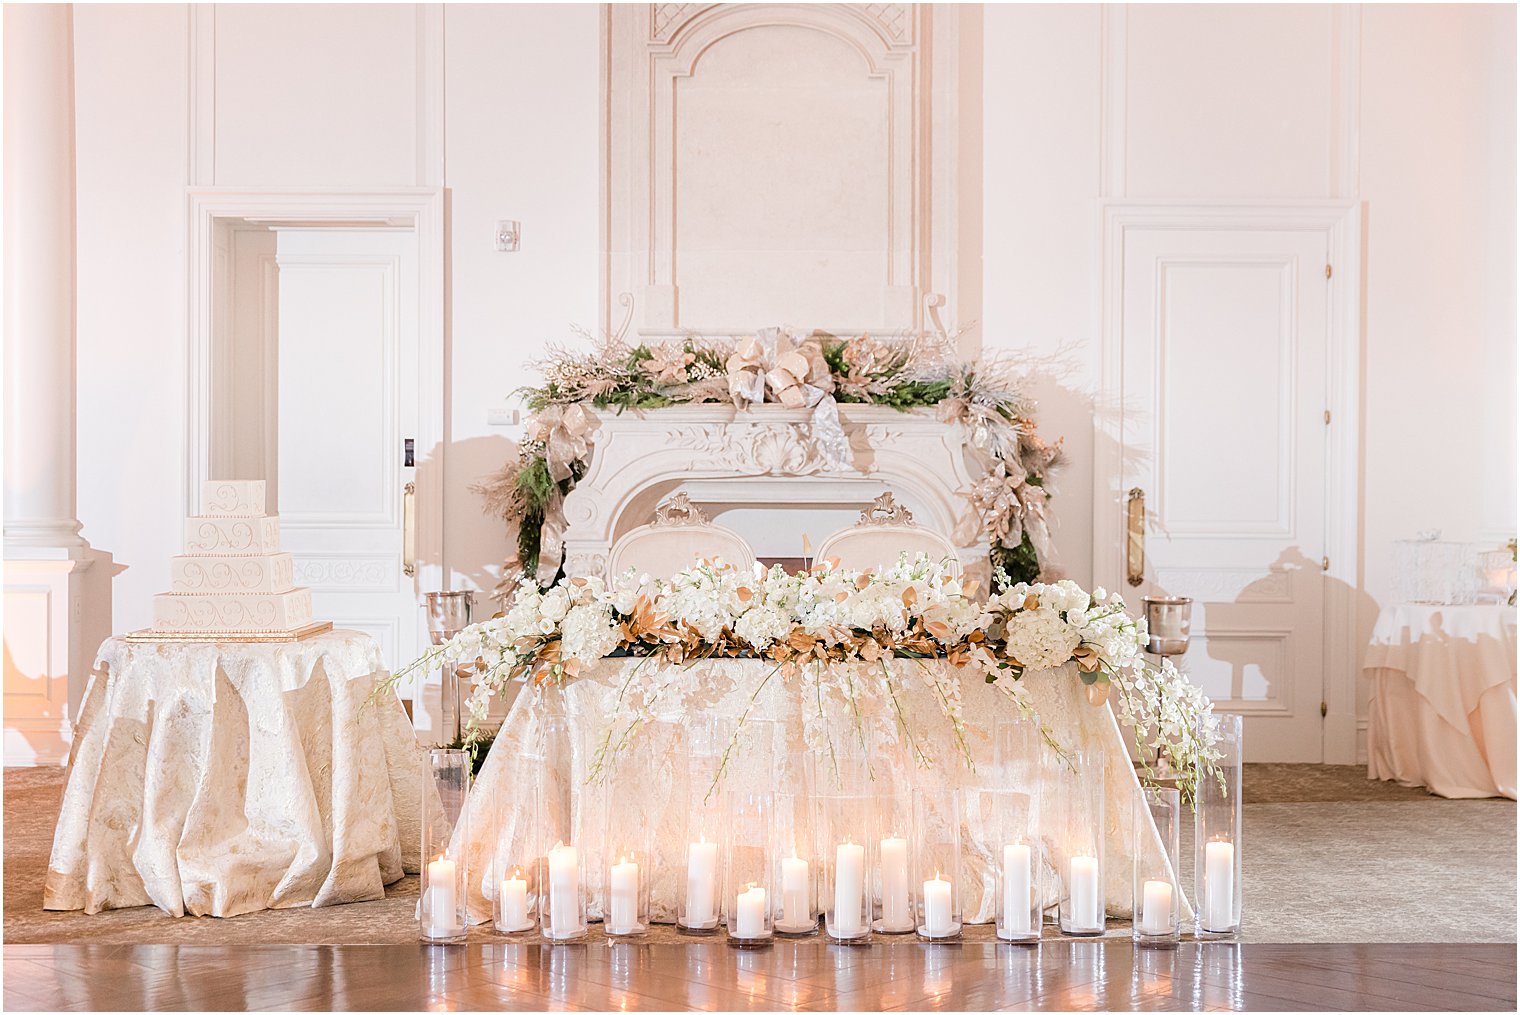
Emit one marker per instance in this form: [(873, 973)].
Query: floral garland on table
[(917, 609), (816, 371)]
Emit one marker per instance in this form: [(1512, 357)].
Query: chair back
[(885, 530), (678, 537)]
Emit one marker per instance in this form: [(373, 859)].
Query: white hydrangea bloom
[(1040, 639), (588, 633)]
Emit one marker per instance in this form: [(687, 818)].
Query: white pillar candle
[(514, 903), (937, 915), (1219, 885), (1017, 899), (1156, 908), (849, 889), (439, 911), (623, 915), (895, 914), (749, 913), (1086, 893), (795, 907), (701, 883), (564, 891)]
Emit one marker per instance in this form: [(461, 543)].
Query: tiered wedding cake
[(232, 577)]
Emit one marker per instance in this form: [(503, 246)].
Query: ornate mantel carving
[(770, 453)]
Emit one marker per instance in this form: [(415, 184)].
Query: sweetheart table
[(219, 779), (652, 786)]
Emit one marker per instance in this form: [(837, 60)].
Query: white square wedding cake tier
[(232, 577)]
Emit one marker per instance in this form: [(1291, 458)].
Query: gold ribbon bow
[(566, 433), (800, 376), (746, 373)]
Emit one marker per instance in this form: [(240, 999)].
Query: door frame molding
[(1341, 222), (421, 209)]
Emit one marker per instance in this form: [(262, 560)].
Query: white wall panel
[(315, 94), (1228, 100), (781, 179), (131, 158)]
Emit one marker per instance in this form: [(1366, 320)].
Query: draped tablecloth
[(223, 779), (650, 783), (1442, 712)]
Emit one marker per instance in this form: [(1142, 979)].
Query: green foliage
[(1021, 564), (915, 394), (478, 751), (534, 484), (632, 397)]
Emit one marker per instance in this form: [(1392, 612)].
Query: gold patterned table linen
[(222, 779), (650, 779)]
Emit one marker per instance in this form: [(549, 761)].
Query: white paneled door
[(1224, 351), (347, 403)]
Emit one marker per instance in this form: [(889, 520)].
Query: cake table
[(219, 779)]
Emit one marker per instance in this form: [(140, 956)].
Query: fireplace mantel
[(766, 455)]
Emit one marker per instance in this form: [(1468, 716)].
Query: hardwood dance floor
[(1062, 975)]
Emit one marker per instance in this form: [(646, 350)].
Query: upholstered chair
[(885, 530), (678, 537)]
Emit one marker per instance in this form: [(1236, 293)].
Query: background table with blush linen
[(220, 779), (1442, 709)]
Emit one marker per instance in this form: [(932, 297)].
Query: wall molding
[(1346, 100), (648, 49), (1113, 114), (202, 112), (1340, 221), (430, 95)]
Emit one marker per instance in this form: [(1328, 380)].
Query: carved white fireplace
[(760, 472)]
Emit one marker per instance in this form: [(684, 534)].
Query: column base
[(45, 668)]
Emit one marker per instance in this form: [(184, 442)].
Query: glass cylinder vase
[(749, 867), (896, 900), (628, 862), (1080, 786), (513, 879), (445, 880), (1216, 836), (795, 872), (1011, 823), (937, 863), (1012, 813), (1157, 893), (698, 902), (849, 857), (562, 876)]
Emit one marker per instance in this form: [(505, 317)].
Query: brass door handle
[(1134, 543), (409, 530)]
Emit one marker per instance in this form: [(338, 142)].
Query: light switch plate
[(503, 416), (508, 235)]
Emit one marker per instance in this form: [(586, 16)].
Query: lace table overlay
[(649, 777), (222, 779)]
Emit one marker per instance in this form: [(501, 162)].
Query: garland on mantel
[(776, 365)]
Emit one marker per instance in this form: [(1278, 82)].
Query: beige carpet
[(1329, 856)]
